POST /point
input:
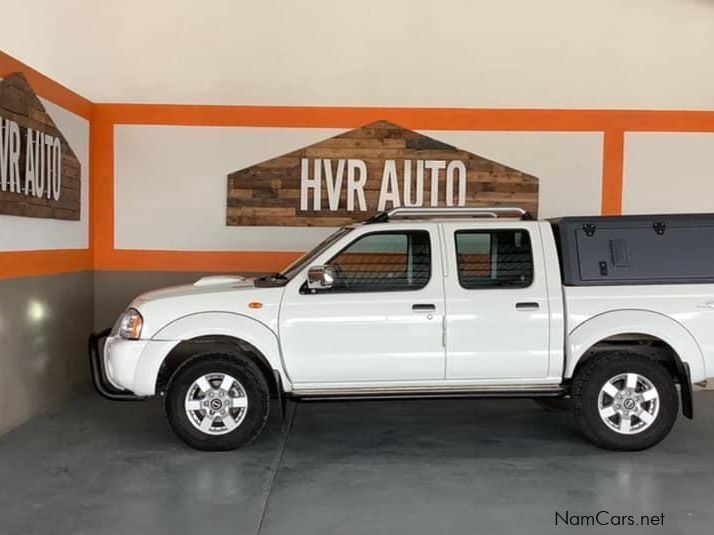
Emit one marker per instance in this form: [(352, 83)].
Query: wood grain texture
[(20, 104), (268, 194)]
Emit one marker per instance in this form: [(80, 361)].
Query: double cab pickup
[(615, 315)]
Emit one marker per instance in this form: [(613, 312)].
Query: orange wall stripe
[(613, 124), (612, 171), (101, 191), (47, 88), (208, 261), (106, 258), (35, 263), (415, 118)]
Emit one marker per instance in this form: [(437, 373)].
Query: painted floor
[(466, 466)]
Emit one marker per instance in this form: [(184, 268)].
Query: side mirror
[(320, 277)]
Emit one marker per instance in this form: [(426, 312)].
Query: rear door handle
[(709, 304), (527, 306), (426, 307)]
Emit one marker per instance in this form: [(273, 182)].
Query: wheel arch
[(218, 332), (644, 324), (187, 350)]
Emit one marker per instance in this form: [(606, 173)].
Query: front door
[(497, 324), (380, 322)]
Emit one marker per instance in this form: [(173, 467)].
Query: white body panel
[(123, 358), (677, 314), (213, 307), (375, 342)]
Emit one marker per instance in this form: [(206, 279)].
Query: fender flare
[(635, 321), (199, 324)]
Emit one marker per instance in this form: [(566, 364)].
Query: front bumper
[(98, 369)]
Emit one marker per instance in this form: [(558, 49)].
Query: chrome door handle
[(527, 306), (423, 307)]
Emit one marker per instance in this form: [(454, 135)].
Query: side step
[(500, 391)]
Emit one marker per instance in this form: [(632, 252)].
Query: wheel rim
[(628, 403), (216, 403)]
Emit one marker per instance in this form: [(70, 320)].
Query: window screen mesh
[(494, 259), (384, 261)]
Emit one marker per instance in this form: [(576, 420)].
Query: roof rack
[(485, 212)]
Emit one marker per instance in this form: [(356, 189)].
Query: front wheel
[(623, 401), (217, 402)]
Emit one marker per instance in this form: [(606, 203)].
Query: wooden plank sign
[(354, 175), (40, 175)]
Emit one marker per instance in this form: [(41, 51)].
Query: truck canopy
[(635, 249)]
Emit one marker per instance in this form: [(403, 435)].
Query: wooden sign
[(352, 176), (39, 172)]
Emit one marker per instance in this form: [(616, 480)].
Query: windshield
[(299, 264)]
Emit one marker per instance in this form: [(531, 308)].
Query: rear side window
[(494, 259), (384, 261)]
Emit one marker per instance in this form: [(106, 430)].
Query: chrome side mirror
[(320, 277)]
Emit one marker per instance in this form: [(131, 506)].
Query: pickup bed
[(436, 303)]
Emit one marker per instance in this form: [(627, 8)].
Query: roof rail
[(486, 212)]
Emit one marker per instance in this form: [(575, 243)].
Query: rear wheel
[(217, 402), (624, 401)]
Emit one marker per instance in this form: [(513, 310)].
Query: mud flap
[(685, 386), (282, 399)]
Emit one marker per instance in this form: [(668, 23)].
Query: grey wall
[(44, 324)]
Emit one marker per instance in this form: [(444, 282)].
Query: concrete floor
[(466, 466)]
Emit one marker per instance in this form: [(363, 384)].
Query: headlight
[(130, 324)]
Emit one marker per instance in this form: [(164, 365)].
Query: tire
[(198, 387), (554, 404), (624, 424)]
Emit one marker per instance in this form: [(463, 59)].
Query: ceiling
[(473, 53)]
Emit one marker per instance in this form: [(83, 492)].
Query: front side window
[(494, 259), (384, 261)]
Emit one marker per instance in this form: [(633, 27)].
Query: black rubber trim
[(99, 375)]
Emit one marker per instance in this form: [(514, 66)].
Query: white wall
[(29, 233), (170, 187), (170, 182), (668, 172), (569, 165), (644, 54)]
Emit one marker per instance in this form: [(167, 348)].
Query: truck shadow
[(444, 429)]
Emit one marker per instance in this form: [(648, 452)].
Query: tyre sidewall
[(256, 390), (587, 393)]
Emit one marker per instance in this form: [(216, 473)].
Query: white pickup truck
[(436, 303)]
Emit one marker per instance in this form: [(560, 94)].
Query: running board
[(481, 391)]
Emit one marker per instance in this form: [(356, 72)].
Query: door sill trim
[(443, 391)]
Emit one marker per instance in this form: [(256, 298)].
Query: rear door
[(497, 322)]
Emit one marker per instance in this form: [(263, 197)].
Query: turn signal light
[(130, 325), (255, 304)]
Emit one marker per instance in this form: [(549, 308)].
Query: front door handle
[(527, 306), (709, 304), (423, 307)]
